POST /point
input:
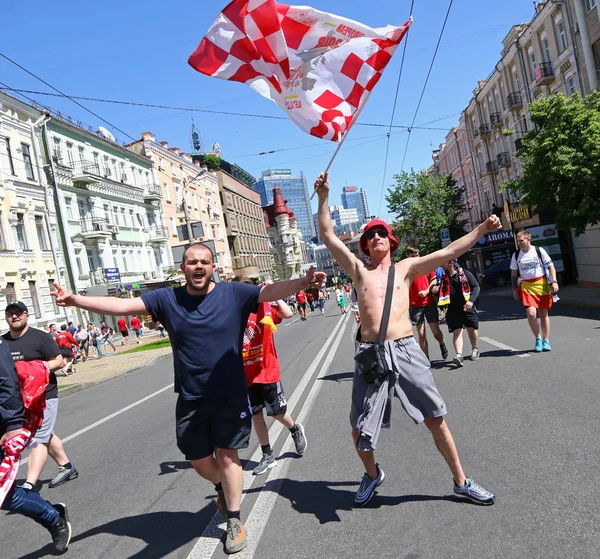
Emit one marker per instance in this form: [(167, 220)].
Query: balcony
[(152, 192), (491, 167), (158, 234), (496, 120), (504, 159), (485, 130), (86, 172), (95, 227), (514, 100), (544, 74)]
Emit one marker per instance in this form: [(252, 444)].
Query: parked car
[(498, 274)]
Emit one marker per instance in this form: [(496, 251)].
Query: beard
[(17, 327)]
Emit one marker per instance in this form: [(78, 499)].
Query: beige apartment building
[(190, 201), (553, 53), (30, 255)]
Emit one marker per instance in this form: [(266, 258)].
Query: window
[(69, 206), (70, 158), (40, 227), (140, 220), (51, 288), (57, 151), (79, 264), (131, 218), (532, 61), (571, 87), (106, 208), (2, 238), (590, 4), (107, 169), (21, 236), (9, 155), (116, 214), (167, 192), (546, 49), (81, 151), (123, 216), (10, 293), (173, 226), (34, 299), (562, 36), (27, 160)]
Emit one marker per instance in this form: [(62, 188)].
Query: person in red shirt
[(136, 326), (301, 300), (122, 326), (65, 341), (264, 377), (423, 306)]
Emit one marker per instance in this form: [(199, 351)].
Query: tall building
[(344, 220), (295, 193), (556, 52), (354, 197), (285, 238), (29, 247), (190, 196)]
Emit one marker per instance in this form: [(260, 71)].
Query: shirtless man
[(409, 368)]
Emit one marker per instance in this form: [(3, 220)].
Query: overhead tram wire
[(425, 84), (66, 96), (191, 109), (387, 146)]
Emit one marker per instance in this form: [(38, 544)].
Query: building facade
[(345, 220), (191, 203), (30, 255), (553, 53), (285, 238), (354, 197), (294, 191)]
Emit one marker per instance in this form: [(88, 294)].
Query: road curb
[(73, 389)]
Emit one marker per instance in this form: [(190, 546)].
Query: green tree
[(212, 161), (423, 205), (561, 160)]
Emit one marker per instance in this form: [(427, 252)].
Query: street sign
[(112, 275), (445, 234)]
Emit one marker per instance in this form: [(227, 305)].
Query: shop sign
[(520, 214)]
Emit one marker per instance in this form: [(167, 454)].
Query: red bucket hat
[(371, 225)]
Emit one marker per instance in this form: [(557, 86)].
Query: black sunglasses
[(370, 234)]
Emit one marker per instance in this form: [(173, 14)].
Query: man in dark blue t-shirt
[(206, 322)]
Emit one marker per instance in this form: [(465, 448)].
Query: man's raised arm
[(99, 305), (282, 289), (338, 250), (425, 264)]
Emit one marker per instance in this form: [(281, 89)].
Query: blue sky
[(137, 51)]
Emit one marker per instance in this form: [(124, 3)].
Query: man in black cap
[(54, 518), (31, 344)]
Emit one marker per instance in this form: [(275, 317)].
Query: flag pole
[(337, 150)]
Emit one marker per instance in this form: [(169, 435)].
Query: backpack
[(539, 255)]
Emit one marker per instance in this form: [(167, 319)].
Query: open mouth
[(198, 276)]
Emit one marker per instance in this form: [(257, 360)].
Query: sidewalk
[(572, 295), (95, 371)]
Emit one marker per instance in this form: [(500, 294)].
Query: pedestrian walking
[(136, 326), (72, 329), (122, 326), (423, 307), (206, 319), (534, 283), (66, 342), (83, 337), (301, 302), (311, 301), (30, 344), (106, 336), (161, 329), (458, 291), (95, 339), (389, 361), (321, 301), (263, 376), (55, 518), (341, 299)]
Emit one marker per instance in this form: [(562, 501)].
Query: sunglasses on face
[(10, 314), (371, 234)]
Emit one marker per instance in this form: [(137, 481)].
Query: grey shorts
[(45, 432), (419, 314), (415, 387)]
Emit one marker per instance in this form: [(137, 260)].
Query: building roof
[(277, 208)]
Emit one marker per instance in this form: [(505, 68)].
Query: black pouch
[(371, 364)]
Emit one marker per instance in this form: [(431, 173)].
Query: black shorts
[(269, 396), (419, 314), (302, 306), (458, 319), (124, 333), (206, 424)]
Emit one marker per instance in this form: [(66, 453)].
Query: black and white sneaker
[(266, 463), (458, 360), (367, 487), (473, 492), (444, 351), (300, 439), (61, 531)]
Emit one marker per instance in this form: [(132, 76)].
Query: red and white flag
[(319, 68)]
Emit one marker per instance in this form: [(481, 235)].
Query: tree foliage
[(423, 205), (212, 161), (561, 160)]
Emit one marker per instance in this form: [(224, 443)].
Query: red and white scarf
[(445, 287)]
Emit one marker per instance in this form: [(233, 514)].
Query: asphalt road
[(525, 425)]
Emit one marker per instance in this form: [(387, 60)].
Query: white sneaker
[(474, 354)]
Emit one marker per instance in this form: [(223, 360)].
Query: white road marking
[(502, 346), (109, 417), (292, 322), (211, 537), (261, 511)]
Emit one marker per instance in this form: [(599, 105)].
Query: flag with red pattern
[(318, 67)]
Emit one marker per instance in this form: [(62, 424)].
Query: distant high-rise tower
[(294, 191), (353, 197)]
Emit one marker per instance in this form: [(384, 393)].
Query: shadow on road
[(321, 499), (338, 377), (163, 532), (173, 467)]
